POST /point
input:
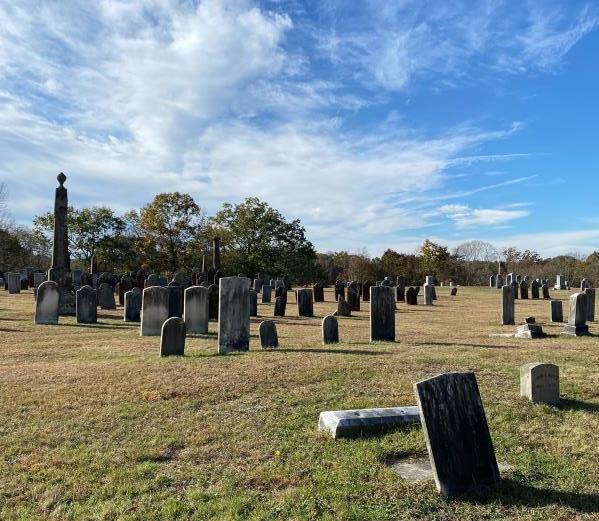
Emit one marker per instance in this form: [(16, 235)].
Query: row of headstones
[(522, 286), (561, 283), (582, 309)]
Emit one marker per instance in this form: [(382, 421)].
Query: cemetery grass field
[(94, 425)]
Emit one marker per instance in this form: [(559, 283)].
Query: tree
[(257, 238), (477, 260), (89, 229), (434, 260), (166, 227)]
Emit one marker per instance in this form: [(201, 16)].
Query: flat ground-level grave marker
[(456, 432)]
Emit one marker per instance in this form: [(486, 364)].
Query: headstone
[(154, 310), (14, 283), (339, 290), (213, 308), (253, 303), (330, 330), (524, 290), (38, 278), (280, 306), (175, 300), (545, 289), (498, 281), (197, 309), (257, 285), (343, 308), (233, 315), (363, 422), (590, 293), (556, 311), (267, 331), (318, 290), (401, 289), (216, 256), (172, 337), (516, 287), (353, 297), (540, 383), (86, 305), (77, 278), (529, 330), (382, 314), (305, 306), (576, 325), (46, 303), (454, 291), (266, 294), (457, 435), (152, 280), (492, 281), (106, 296), (534, 289), (584, 284), (428, 294), (365, 291), (412, 296), (508, 306), (132, 309)]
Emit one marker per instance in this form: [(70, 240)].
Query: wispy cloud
[(466, 217)]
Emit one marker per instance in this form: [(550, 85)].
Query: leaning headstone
[(508, 306), (576, 325), (305, 306), (267, 331), (330, 330), (86, 305), (172, 337), (457, 435), (343, 308), (318, 290), (46, 304), (132, 306), (590, 293), (280, 306), (556, 311), (266, 294), (197, 309), (106, 296), (382, 313), (540, 383), (233, 315), (14, 283), (154, 310)]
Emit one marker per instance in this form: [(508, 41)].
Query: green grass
[(94, 425)]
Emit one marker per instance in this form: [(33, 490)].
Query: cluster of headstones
[(522, 285), (450, 410), (15, 282)]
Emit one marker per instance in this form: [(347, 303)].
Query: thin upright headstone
[(318, 290), (47, 302), (428, 294), (175, 300), (576, 325), (508, 306), (534, 289), (253, 296), (14, 283), (366, 285), (590, 293), (305, 306), (172, 337), (330, 330), (106, 296), (457, 434), (524, 290), (197, 309), (280, 306), (267, 331), (353, 296), (412, 296), (154, 310), (86, 305), (233, 315), (556, 310), (266, 294), (132, 306), (382, 313)]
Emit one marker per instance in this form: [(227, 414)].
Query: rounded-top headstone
[(330, 330), (46, 304), (172, 338), (268, 334)]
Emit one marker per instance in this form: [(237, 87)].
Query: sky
[(376, 123)]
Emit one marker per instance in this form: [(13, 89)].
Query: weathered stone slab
[(86, 305), (266, 294), (454, 291), (154, 310), (280, 306), (318, 290), (330, 330), (343, 308), (267, 331), (508, 306), (253, 303), (366, 285), (46, 303), (106, 296), (353, 297), (305, 302), (132, 306), (428, 294), (382, 314), (576, 325), (529, 331), (556, 310), (233, 315), (197, 309), (14, 283), (339, 290), (175, 300), (456, 432), (362, 422), (590, 293), (540, 382), (412, 296), (172, 337)]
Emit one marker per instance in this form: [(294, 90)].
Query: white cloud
[(466, 217)]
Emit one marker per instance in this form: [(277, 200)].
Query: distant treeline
[(172, 233)]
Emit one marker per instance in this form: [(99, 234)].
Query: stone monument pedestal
[(570, 330)]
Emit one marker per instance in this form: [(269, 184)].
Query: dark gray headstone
[(106, 296), (266, 294), (175, 300), (280, 306), (268, 334), (46, 303), (456, 432), (556, 310), (343, 308), (318, 292), (305, 306), (366, 290), (172, 337), (86, 307), (14, 283), (234, 315), (154, 310), (353, 296), (590, 293), (454, 291), (382, 313), (534, 289), (152, 280), (330, 330), (253, 303), (132, 302), (412, 296), (508, 306), (197, 309)]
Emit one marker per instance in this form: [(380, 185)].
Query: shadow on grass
[(8, 330), (461, 344), (330, 351), (514, 493), (124, 325), (209, 334), (8, 319), (566, 404)]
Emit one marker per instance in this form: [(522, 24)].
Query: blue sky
[(377, 123)]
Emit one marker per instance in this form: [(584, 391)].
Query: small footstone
[(330, 330), (172, 339), (540, 382), (268, 334), (361, 422)]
